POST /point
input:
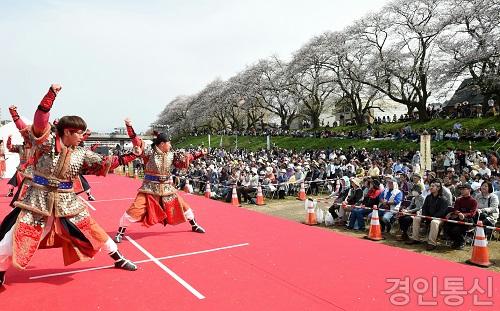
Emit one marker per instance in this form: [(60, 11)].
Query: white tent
[(12, 159)]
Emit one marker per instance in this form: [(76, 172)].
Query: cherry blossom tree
[(401, 40), (310, 81), (472, 45), (266, 83), (346, 61)]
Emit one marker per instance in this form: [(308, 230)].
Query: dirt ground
[(293, 209)]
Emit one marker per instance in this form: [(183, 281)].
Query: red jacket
[(465, 205)]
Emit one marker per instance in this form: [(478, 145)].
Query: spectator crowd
[(463, 185)]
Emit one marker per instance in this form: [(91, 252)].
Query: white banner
[(425, 152)]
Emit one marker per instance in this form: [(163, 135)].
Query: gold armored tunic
[(51, 189), (157, 200), (157, 172)]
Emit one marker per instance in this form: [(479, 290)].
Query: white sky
[(118, 59)]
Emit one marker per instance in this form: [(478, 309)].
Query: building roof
[(467, 91)]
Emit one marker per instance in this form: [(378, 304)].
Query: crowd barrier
[(327, 199), (414, 215)]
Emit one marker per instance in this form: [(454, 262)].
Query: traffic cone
[(375, 234), (208, 191), (260, 197), (126, 171), (302, 193), (480, 255), (136, 176), (171, 180), (310, 204), (234, 198)]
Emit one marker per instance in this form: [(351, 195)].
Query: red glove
[(48, 100)]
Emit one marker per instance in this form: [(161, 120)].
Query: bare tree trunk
[(422, 113), (360, 118), (315, 120)]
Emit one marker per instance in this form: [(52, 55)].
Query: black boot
[(2, 278), (90, 197), (122, 262), (119, 235), (195, 227)]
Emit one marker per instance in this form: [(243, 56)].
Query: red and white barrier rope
[(415, 215)]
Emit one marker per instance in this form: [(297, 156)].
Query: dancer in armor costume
[(50, 215), (18, 176), (2, 159), (24, 168), (157, 200)]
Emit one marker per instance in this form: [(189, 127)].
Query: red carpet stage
[(245, 261)]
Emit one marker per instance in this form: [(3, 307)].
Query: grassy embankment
[(322, 143)]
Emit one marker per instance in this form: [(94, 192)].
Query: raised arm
[(95, 164), (42, 114), (10, 147), (182, 161), (137, 142), (9, 142), (21, 126), (15, 117)]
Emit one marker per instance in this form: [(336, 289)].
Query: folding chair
[(267, 192), (321, 188)]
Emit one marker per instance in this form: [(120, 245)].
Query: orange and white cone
[(208, 192), (171, 180), (310, 205), (260, 197), (375, 233), (302, 193), (234, 198), (136, 176), (480, 255)]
